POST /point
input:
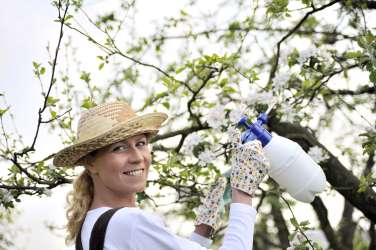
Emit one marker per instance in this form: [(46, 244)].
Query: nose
[(136, 155)]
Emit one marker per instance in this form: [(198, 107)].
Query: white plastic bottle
[(291, 167)]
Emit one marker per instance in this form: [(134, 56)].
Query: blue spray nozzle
[(255, 130), (243, 122)]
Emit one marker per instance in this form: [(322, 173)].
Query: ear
[(88, 162), (92, 170)]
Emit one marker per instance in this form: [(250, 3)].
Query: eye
[(119, 148), (141, 143)]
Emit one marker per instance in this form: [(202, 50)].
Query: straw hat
[(106, 124)]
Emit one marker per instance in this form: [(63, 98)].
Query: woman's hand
[(208, 215), (249, 167)]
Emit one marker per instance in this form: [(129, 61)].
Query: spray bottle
[(290, 166)]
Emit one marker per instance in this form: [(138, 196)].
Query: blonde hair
[(79, 201)]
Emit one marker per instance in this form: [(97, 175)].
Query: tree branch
[(184, 131), (347, 226), (372, 235), (52, 81), (359, 91), (283, 232), (364, 4), (247, 29), (292, 31), (322, 215)]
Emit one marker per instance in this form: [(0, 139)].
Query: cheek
[(110, 166), (147, 158)]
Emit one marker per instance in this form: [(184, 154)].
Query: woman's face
[(122, 168)]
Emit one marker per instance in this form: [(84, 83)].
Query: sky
[(26, 27)]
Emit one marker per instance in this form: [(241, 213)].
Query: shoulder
[(131, 218)]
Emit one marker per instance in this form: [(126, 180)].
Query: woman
[(112, 145)]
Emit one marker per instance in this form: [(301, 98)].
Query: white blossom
[(325, 55), (6, 195), (317, 154), (51, 167), (307, 53), (237, 113), (329, 27), (47, 192), (216, 116), (233, 135), (280, 80), (268, 2), (285, 54), (206, 157), (260, 97), (191, 141), (288, 112)]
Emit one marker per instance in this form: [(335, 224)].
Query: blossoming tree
[(206, 65)]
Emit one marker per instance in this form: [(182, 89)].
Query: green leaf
[(100, 66), (179, 70), (42, 70), (353, 54), (372, 76), (3, 111), (307, 2), (36, 65), (229, 90), (294, 222), (223, 82), (85, 76), (51, 101), (234, 26), (88, 103), (304, 223), (311, 22), (277, 6), (166, 104), (67, 18), (183, 13), (53, 114), (365, 182), (369, 146)]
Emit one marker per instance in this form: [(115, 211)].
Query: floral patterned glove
[(209, 211), (249, 166)]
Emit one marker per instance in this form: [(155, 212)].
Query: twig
[(299, 228), (292, 31)]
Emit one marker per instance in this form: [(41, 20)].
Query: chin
[(140, 189)]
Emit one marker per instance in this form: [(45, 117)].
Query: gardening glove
[(209, 211), (249, 166)]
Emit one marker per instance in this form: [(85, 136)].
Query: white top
[(134, 229)]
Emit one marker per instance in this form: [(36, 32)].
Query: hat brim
[(143, 124)]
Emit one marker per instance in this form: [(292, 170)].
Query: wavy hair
[(79, 201)]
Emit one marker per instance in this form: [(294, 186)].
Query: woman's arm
[(237, 197), (203, 233)]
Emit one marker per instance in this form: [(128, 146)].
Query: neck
[(113, 200)]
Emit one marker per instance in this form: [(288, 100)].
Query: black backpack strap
[(99, 230), (78, 239)]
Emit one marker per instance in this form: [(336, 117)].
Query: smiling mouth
[(137, 172)]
